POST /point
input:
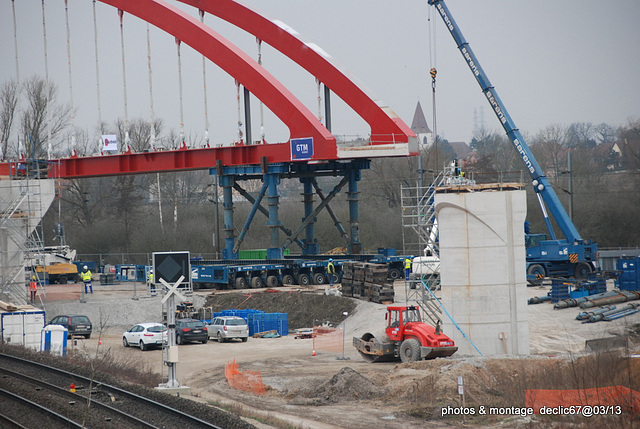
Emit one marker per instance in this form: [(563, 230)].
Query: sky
[(551, 62)]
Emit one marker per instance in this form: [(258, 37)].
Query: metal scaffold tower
[(23, 203), (420, 237)]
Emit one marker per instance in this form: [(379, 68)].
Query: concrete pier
[(483, 270)]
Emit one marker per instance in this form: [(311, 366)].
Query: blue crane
[(546, 256)]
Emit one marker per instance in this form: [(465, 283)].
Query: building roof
[(419, 123)]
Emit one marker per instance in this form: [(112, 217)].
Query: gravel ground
[(115, 308)]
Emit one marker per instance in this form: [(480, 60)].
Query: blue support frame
[(271, 175)]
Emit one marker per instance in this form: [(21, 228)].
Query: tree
[(604, 133), (581, 135), (42, 118), (549, 148), (9, 94), (139, 132), (630, 145)]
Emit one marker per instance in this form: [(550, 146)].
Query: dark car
[(76, 325), (191, 330)]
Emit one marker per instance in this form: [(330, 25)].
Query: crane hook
[(433, 72)]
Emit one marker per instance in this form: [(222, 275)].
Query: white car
[(224, 328), (145, 335)]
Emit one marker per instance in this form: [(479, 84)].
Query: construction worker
[(407, 267), (152, 285), (85, 275), (33, 288), (331, 270)]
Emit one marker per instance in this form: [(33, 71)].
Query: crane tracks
[(27, 386)]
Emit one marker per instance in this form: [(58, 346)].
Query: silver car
[(224, 328)]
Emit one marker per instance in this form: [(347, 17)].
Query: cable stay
[(127, 139), (319, 88), (204, 90), (240, 134), (15, 46), (262, 140), (182, 137), (95, 48), (152, 131), (73, 116), (46, 76)]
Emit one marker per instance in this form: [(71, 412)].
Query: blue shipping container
[(629, 278)]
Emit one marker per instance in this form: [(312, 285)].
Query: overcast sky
[(552, 62)]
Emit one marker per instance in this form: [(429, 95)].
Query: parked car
[(190, 330), (145, 335), (225, 328), (77, 325)]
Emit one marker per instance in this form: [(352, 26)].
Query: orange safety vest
[(33, 286)]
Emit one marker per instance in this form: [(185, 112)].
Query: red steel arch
[(301, 122), (386, 127)]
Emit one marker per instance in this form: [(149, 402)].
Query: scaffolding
[(420, 238), (23, 203)]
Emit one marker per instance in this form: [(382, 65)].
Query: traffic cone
[(99, 342), (313, 353), (72, 388)]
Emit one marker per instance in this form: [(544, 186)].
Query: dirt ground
[(340, 390)]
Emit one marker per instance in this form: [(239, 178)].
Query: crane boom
[(541, 184)]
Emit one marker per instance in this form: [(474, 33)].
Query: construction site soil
[(309, 388)]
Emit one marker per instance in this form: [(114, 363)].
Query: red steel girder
[(386, 127), (160, 161)]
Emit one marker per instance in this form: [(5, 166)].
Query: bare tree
[(9, 94), (581, 135), (139, 132), (549, 147), (36, 125)]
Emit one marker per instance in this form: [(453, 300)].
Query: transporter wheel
[(410, 350), (241, 283), (256, 282), (288, 280), (318, 279), (272, 281), (394, 274), (304, 280)]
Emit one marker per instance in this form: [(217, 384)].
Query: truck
[(406, 338), (291, 270), (547, 255), (54, 263)]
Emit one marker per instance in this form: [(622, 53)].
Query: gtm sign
[(302, 148)]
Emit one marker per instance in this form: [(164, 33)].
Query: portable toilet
[(53, 339)]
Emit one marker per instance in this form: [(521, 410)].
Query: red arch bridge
[(311, 151)]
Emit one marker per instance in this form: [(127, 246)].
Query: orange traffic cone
[(72, 388), (313, 353)]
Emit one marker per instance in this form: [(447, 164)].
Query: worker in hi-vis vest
[(331, 271), (407, 267), (85, 275)]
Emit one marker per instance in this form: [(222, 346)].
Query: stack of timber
[(367, 281)]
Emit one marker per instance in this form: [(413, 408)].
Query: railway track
[(38, 395)]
